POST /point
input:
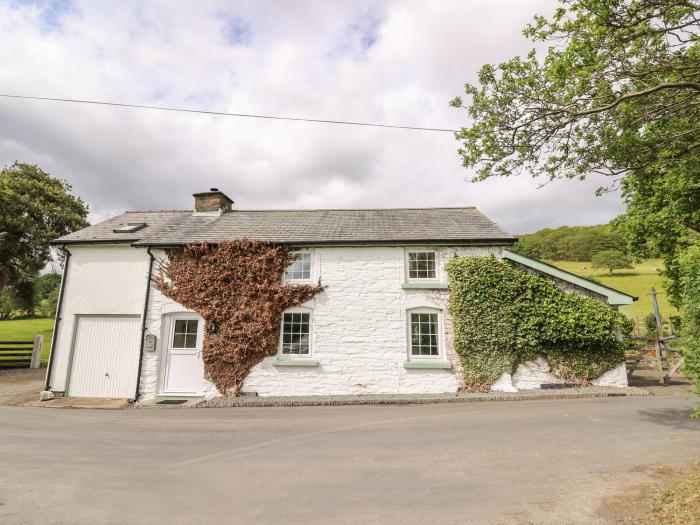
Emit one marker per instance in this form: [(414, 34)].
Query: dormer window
[(300, 268), (129, 227)]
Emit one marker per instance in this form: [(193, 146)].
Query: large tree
[(35, 208), (614, 89)]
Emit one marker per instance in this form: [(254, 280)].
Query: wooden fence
[(21, 354)]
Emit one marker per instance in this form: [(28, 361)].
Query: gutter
[(411, 242), (57, 320), (143, 323), (94, 241)]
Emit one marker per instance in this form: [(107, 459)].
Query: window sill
[(295, 362), (428, 364), (427, 285)]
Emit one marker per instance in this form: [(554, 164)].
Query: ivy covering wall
[(237, 287), (503, 317)]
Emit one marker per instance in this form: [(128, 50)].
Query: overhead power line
[(226, 114)]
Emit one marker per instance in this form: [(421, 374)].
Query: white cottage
[(383, 273)]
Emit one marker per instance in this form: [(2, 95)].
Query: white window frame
[(409, 251), (440, 334), (280, 347), (310, 254)]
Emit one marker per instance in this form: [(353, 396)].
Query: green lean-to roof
[(301, 227), (615, 297)]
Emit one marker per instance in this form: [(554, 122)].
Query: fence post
[(36, 351)]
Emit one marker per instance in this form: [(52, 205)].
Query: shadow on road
[(676, 418)]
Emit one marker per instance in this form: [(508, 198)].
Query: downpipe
[(57, 320), (144, 323)]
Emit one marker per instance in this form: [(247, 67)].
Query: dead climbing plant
[(237, 287)]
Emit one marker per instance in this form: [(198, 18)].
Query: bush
[(47, 306), (503, 317), (650, 325), (689, 265)]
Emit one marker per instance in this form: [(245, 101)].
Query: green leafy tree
[(7, 305), (616, 92), (612, 260), (46, 297), (35, 208), (569, 243)]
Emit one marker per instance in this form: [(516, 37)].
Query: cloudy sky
[(397, 62)]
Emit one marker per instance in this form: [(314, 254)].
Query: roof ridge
[(154, 211), (317, 209)]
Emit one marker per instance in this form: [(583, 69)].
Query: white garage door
[(105, 356)]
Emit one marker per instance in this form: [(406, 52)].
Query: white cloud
[(395, 61)]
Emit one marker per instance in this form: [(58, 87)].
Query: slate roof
[(300, 227)]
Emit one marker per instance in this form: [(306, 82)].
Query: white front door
[(183, 367)]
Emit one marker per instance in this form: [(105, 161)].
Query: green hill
[(637, 281)]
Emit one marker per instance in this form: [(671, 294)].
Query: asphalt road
[(491, 462)]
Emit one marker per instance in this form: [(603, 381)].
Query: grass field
[(637, 282), (25, 330)]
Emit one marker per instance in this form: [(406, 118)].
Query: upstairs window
[(424, 331), (300, 268), (296, 334), (421, 265)]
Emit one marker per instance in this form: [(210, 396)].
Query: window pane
[(300, 268), (191, 341), (296, 333), (180, 326), (421, 265), (179, 341), (424, 338)]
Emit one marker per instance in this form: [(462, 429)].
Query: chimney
[(212, 202)]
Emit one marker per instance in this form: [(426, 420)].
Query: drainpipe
[(57, 320), (143, 324)]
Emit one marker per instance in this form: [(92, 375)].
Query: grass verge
[(680, 504)]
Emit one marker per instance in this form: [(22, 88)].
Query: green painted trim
[(295, 362), (615, 297), (428, 285), (428, 364), (74, 335)]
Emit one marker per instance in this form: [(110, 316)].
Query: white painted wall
[(359, 330), (101, 279), (360, 323)]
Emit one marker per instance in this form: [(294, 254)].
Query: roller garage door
[(105, 356)]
